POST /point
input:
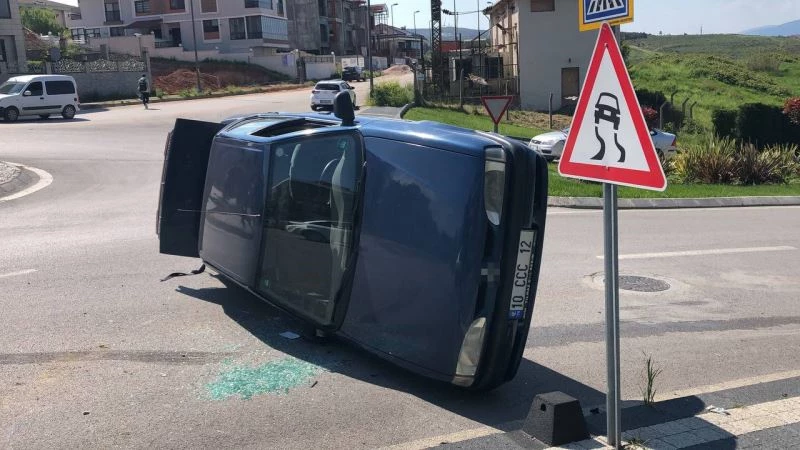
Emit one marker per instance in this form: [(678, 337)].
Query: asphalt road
[(96, 352)]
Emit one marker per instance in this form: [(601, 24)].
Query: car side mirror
[(652, 133), (27, 94), (343, 109)]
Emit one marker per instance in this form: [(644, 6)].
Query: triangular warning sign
[(496, 105), (609, 140)]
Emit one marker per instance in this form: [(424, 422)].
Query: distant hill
[(448, 33), (787, 29), (730, 45)]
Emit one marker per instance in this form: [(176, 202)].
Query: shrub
[(392, 94), (653, 99), (650, 116), (792, 110), (775, 164), (764, 63), (692, 126), (724, 121), (710, 162), (764, 125)]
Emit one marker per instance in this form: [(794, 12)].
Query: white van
[(38, 95)]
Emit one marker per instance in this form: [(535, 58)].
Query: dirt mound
[(397, 70), (183, 79)]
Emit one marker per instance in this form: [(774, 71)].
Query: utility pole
[(196, 59), (369, 46)]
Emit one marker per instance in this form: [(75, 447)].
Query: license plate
[(522, 275), (326, 102)]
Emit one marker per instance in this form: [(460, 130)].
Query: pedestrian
[(144, 90)]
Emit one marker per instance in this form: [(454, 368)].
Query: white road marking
[(18, 273), (435, 441), (44, 180), (719, 251)]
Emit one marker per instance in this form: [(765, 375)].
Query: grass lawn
[(472, 121), (567, 187)]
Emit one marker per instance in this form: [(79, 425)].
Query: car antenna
[(343, 109)]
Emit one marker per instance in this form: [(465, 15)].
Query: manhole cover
[(642, 284)]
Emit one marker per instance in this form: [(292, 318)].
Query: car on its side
[(325, 92), (417, 241), (353, 74), (39, 95), (551, 144)]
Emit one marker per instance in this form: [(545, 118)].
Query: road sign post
[(609, 142), (496, 106)]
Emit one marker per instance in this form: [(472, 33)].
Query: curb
[(134, 101), (24, 179), (674, 203)]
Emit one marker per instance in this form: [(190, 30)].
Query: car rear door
[(182, 183)]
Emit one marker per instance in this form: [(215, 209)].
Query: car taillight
[(675, 141), (494, 183)]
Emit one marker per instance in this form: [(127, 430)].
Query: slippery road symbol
[(607, 109)]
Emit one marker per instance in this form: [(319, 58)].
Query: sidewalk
[(762, 415)]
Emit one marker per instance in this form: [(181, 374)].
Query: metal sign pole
[(611, 233), (495, 127)]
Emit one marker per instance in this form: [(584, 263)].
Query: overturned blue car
[(417, 241)]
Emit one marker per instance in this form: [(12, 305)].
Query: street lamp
[(333, 55), (194, 39), (393, 5), (415, 21), (388, 42)]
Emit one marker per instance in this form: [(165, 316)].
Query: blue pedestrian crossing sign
[(594, 12)]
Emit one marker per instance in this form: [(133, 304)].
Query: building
[(12, 40), (540, 41), (227, 26), (322, 27), (394, 43)]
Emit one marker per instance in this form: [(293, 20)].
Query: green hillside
[(717, 71)]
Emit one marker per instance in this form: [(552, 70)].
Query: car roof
[(27, 78), (331, 81), (424, 133)]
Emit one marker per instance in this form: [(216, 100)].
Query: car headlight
[(494, 184)]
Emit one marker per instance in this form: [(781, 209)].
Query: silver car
[(551, 145)]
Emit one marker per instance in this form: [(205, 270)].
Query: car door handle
[(41, 98)]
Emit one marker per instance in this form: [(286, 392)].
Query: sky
[(651, 16)]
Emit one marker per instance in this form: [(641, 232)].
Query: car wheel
[(44, 116), (12, 114), (68, 112), (660, 155), (314, 108)]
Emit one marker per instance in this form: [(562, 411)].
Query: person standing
[(144, 90)]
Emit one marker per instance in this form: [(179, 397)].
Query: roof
[(152, 23)]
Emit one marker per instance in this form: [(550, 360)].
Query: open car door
[(182, 181)]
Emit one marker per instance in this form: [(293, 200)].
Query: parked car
[(417, 241), (353, 74), (38, 95), (551, 144), (325, 91)]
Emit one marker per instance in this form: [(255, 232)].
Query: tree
[(40, 20)]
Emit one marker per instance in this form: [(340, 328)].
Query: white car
[(551, 144), (325, 91), (38, 95)]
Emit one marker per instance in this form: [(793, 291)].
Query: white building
[(227, 26), (541, 38), (12, 40)]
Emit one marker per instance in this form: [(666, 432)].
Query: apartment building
[(322, 27), (12, 40), (540, 39), (228, 26)]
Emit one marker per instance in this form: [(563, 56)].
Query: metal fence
[(100, 65)]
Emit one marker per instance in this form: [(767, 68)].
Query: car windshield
[(11, 88), (327, 87), (349, 69)]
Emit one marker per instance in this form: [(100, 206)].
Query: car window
[(309, 219), (59, 87), (327, 87), (11, 88), (36, 88)]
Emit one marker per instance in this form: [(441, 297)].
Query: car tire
[(68, 112), (44, 116), (660, 155), (314, 108), (11, 114)]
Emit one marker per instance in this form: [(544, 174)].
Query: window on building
[(238, 31), (208, 6), (141, 6), (5, 9), (280, 7), (3, 55), (77, 33), (274, 28), (266, 4), (254, 29), (543, 5), (93, 33), (179, 5), (323, 33), (117, 31), (112, 12), (322, 8), (211, 30)]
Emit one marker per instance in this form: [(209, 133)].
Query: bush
[(692, 126), (650, 116), (653, 99), (392, 94), (710, 162), (764, 63), (792, 110), (724, 121), (765, 125), (775, 164)]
